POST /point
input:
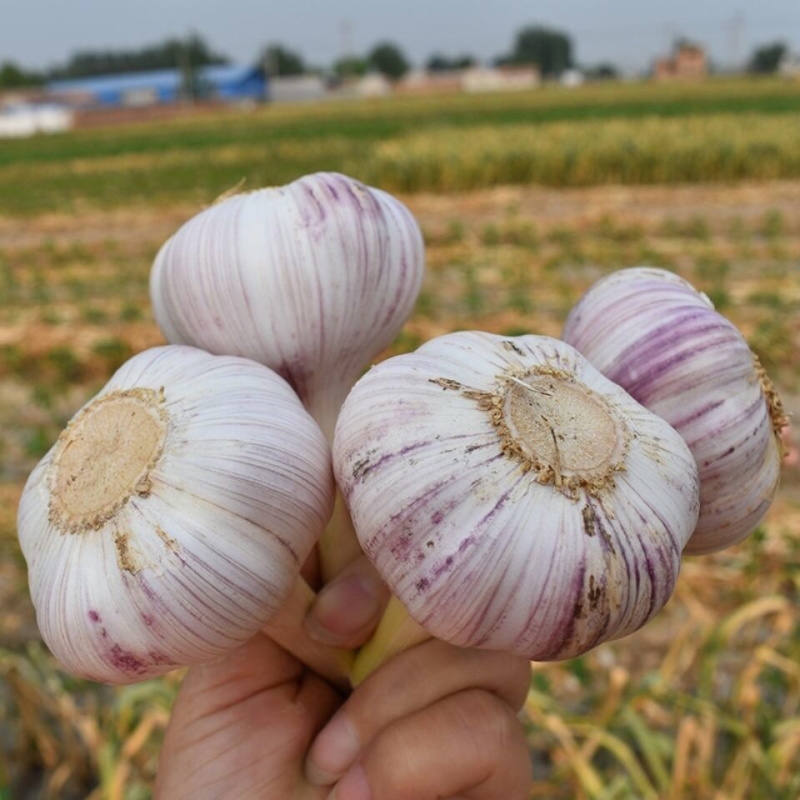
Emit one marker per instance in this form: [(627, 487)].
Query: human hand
[(434, 722)]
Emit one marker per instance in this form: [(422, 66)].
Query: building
[(572, 78), (500, 79), (790, 66), (296, 88), (687, 62), (227, 83), (420, 81), (373, 84), (471, 79), (28, 118)]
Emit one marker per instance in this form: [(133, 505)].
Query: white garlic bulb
[(512, 497), (655, 335), (312, 279), (171, 518)]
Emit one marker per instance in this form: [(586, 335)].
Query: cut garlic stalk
[(655, 335), (512, 497), (170, 520)]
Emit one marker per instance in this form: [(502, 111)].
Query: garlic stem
[(396, 632), (338, 545), (286, 629)]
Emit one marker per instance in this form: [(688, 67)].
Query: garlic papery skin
[(512, 497), (312, 279), (170, 520), (655, 335)]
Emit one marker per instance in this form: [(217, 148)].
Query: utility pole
[(185, 69), (346, 38), (735, 36)]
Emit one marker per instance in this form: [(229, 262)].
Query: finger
[(408, 683), (348, 609), (469, 744)]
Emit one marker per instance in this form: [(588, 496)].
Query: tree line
[(548, 49)]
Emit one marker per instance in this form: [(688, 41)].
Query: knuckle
[(501, 744), (485, 711), (490, 716)]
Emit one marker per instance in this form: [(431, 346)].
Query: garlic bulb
[(312, 279), (660, 339), (170, 519), (512, 497)]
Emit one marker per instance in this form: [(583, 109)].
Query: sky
[(629, 33)]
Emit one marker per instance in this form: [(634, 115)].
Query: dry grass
[(703, 703)]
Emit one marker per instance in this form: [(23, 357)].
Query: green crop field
[(524, 201), (557, 137)]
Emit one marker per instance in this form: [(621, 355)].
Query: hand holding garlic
[(243, 727), (511, 496)]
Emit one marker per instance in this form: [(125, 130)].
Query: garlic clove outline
[(512, 497), (655, 335), (170, 520), (312, 279)]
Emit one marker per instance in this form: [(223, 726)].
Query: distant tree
[(279, 60), (350, 66), (549, 49), (768, 57), (389, 59), (168, 54), (14, 77), (604, 71), (439, 63)]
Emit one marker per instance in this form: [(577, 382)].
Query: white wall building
[(790, 66), (500, 79), (295, 88), (27, 119), (373, 84)]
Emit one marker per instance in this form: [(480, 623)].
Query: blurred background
[(538, 152)]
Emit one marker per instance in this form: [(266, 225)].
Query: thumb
[(348, 609)]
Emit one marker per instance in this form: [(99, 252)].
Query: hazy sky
[(39, 33)]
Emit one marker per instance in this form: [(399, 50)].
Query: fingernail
[(333, 751), (342, 609), (353, 786)]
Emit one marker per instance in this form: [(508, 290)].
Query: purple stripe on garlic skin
[(482, 545), (312, 279), (206, 548), (660, 339)]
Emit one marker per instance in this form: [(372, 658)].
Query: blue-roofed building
[(227, 82)]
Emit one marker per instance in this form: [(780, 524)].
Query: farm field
[(524, 202)]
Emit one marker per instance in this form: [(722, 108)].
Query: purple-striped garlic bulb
[(655, 335), (512, 497), (169, 521), (312, 279)]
